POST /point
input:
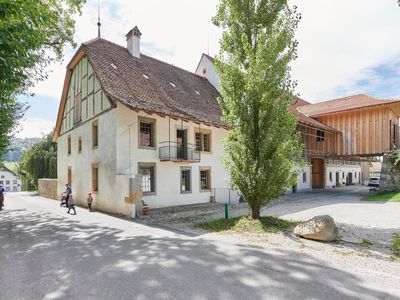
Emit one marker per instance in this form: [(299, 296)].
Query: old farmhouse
[(123, 113)]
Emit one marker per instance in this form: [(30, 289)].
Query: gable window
[(95, 134), (186, 180), (146, 133), (304, 177), (79, 144), (69, 145), (95, 178), (203, 140), (205, 179), (148, 182), (320, 135)]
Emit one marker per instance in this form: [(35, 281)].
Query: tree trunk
[(255, 211)]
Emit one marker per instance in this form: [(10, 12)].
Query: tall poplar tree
[(262, 150)]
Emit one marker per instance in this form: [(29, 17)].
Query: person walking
[(71, 204), (89, 201), (2, 191), (67, 193)]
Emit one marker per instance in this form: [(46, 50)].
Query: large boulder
[(321, 228)]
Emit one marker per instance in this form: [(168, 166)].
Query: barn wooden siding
[(365, 132)]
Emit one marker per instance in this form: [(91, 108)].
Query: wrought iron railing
[(172, 151)]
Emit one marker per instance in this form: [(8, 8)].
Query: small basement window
[(95, 178), (79, 144), (95, 134), (69, 145)]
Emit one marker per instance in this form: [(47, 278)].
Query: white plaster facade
[(206, 69), (118, 155), (348, 172), (9, 181), (304, 179)]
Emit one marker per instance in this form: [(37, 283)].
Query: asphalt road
[(48, 254)]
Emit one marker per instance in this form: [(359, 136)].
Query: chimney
[(133, 41)]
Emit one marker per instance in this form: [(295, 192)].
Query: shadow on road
[(43, 256)]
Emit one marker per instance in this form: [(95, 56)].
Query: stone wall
[(390, 174), (48, 188)]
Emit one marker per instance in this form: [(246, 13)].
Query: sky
[(345, 47)]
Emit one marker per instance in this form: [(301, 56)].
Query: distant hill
[(16, 148)]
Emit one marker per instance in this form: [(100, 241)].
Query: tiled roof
[(343, 104), (294, 108), (152, 85)]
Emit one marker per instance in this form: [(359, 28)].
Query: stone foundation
[(48, 188), (390, 174)]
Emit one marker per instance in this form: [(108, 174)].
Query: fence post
[(226, 210)]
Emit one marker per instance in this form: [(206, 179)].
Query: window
[(95, 134), (205, 179), (95, 178), (186, 180), (69, 145), (79, 144), (304, 177), (204, 71), (1, 182), (343, 175), (355, 174), (15, 182), (203, 140), (7, 181), (320, 135), (2, 176), (146, 133), (148, 183), (330, 176), (69, 178)]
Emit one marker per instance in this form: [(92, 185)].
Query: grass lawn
[(246, 224), (396, 245), (383, 197)]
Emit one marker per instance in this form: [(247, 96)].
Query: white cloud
[(34, 127), (340, 41)]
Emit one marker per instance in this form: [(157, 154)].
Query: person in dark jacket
[(71, 204), (2, 191)]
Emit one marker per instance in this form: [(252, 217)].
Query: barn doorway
[(317, 173)]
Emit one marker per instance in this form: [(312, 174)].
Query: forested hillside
[(14, 153)]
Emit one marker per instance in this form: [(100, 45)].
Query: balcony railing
[(172, 151)]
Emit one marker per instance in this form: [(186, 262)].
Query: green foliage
[(396, 245), (383, 197), (32, 35), (394, 157), (247, 224), (40, 161), (263, 150), (17, 146)]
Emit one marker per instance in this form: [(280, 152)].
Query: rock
[(321, 228)]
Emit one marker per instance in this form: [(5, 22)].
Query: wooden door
[(317, 173)]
